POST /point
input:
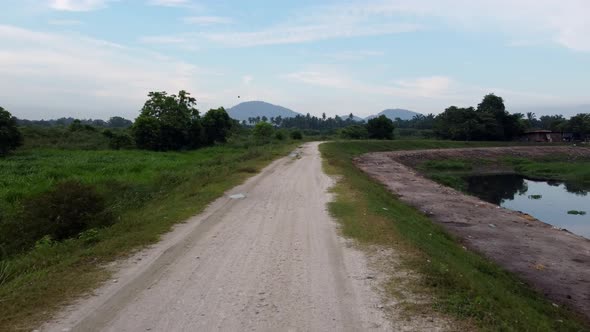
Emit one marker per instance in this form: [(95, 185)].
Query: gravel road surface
[(269, 261)]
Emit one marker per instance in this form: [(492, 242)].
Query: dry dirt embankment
[(553, 261)]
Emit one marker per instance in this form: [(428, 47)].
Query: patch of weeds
[(448, 165), (535, 196), (449, 180), (248, 169), (577, 213)]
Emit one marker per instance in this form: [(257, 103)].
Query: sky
[(100, 58)]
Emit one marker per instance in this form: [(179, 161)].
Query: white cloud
[(423, 87), (172, 3), (247, 79), (163, 40), (83, 77), (354, 55), (207, 20), (64, 22), (307, 33), (432, 86), (320, 78), (563, 22), (77, 5)]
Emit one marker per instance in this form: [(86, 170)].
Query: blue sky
[(99, 58)]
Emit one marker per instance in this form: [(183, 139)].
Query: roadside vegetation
[(462, 284), (78, 194)]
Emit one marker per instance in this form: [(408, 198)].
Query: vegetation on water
[(579, 213), (463, 284)]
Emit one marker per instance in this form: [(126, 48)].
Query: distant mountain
[(252, 109), (354, 117), (395, 113)]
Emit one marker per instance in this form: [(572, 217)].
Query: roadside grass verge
[(148, 192), (461, 283)]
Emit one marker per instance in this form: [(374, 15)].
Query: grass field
[(463, 284), (148, 192)]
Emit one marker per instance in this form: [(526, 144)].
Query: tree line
[(491, 121), (113, 122), (166, 122), (172, 122)]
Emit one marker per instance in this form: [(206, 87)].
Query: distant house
[(542, 136)]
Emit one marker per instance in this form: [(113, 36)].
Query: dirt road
[(269, 261)]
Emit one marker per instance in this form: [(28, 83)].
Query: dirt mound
[(553, 261), (416, 157)]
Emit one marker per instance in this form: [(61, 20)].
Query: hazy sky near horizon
[(99, 58)]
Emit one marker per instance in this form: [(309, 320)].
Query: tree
[(217, 125), (146, 132), (580, 125), (167, 122), (263, 131), (380, 128), (459, 123), (76, 125), (119, 122), (531, 119), (296, 134), (10, 136), (507, 126), (552, 122), (490, 121)]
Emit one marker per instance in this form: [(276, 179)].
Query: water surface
[(548, 201)]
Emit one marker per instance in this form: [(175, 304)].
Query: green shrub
[(119, 140), (380, 128), (296, 134), (63, 212), (355, 132), (280, 135), (262, 131)]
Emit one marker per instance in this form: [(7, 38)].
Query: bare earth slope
[(555, 262), (269, 261)]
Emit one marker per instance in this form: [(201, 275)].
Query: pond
[(563, 205)]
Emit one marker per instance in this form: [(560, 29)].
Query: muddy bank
[(553, 261), (415, 157)]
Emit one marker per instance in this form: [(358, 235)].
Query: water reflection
[(548, 201)]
